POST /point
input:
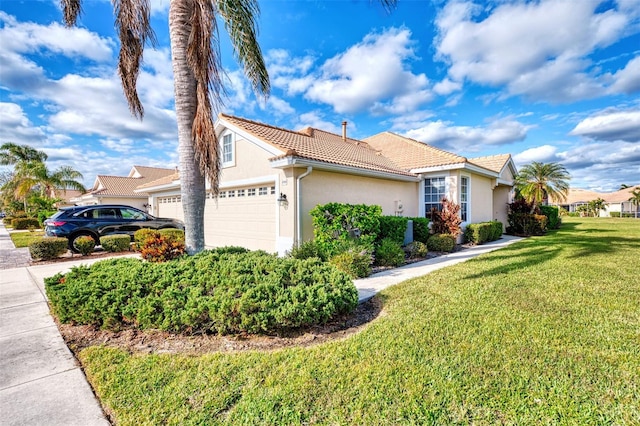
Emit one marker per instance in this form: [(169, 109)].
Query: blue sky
[(541, 80)]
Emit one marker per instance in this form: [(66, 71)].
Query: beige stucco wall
[(481, 196), (250, 161), (501, 197), (321, 187), (133, 202)]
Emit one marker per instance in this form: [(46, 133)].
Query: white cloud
[(445, 135), (536, 49), (627, 80), (611, 125), (446, 87), (371, 75), (316, 120), (542, 154), (73, 42), (16, 127)]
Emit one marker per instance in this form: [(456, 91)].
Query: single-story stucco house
[(272, 177), (121, 189), (616, 202)]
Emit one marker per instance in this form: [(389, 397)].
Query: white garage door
[(243, 216)]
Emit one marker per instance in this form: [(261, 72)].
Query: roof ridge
[(259, 123), (424, 145)]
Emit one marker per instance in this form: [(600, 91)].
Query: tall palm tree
[(536, 182), (11, 153), (198, 81), (36, 176)]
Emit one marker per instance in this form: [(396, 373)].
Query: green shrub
[(25, 223), (614, 214), (307, 250), (441, 242), (482, 232), (141, 235), (573, 214), (354, 259), (84, 245), (48, 248), (8, 221), (335, 223), (421, 230), (115, 243), (525, 224), (393, 227), (161, 249), (212, 291), (44, 215), (173, 234), (389, 253), (416, 249), (553, 216)]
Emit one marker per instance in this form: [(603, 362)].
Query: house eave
[(457, 166), (281, 163), (173, 185)]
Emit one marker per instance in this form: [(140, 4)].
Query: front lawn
[(24, 238), (545, 331)]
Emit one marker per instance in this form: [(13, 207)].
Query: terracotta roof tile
[(493, 162), (125, 186), (315, 144), (411, 154), (162, 181), (577, 195)]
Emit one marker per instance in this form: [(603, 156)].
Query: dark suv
[(98, 221)]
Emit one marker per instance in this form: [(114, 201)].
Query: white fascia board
[(159, 188), (505, 182), (458, 166), (248, 182), (246, 136), (321, 165)]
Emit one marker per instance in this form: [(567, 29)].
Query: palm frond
[(71, 9), (134, 28), (240, 22)]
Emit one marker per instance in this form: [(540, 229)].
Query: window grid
[(241, 192), (227, 149), (434, 192), (464, 198), (251, 192), (262, 190)]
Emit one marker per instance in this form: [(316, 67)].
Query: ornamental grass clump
[(223, 291)]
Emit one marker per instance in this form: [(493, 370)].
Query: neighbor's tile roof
[(162, 181), (315, 144), (124, 186), (411, 154), (577, 195), (494, 163)]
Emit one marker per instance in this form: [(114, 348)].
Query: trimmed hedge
[(526, 224), (48, 248), (336, 223), (212, 291), (421, 230), (441, 242), (115, 243), (24, 223), (483, 232), (141, 235), (393, 227), (173, 234), (553, 216)]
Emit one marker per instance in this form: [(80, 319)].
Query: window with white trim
[(273, 190), (228, 152), (240, 192), (251, 192), (464, 198), (223, 194), (262, 190), (434, 192), (232, 193)]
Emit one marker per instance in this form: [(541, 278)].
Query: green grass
[(23, 239), (546, 331)]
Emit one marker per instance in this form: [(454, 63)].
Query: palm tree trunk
[(192, 181)]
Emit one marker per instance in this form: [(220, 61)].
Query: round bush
[(212, 291), (389, 253), (115, 243), (84, 245), (417, 249), (172, 234), (141, 235), (441, 242)]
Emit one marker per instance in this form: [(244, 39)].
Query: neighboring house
[(121, 189), (65, 197), (617, 201), (272, 177)]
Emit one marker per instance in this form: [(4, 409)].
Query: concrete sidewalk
[(368, 287), (40, 381)]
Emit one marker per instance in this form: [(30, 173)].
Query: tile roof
[(162, 181), (318, 145), (125, 186), (577, 195), (494, 163), (411, 154)]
